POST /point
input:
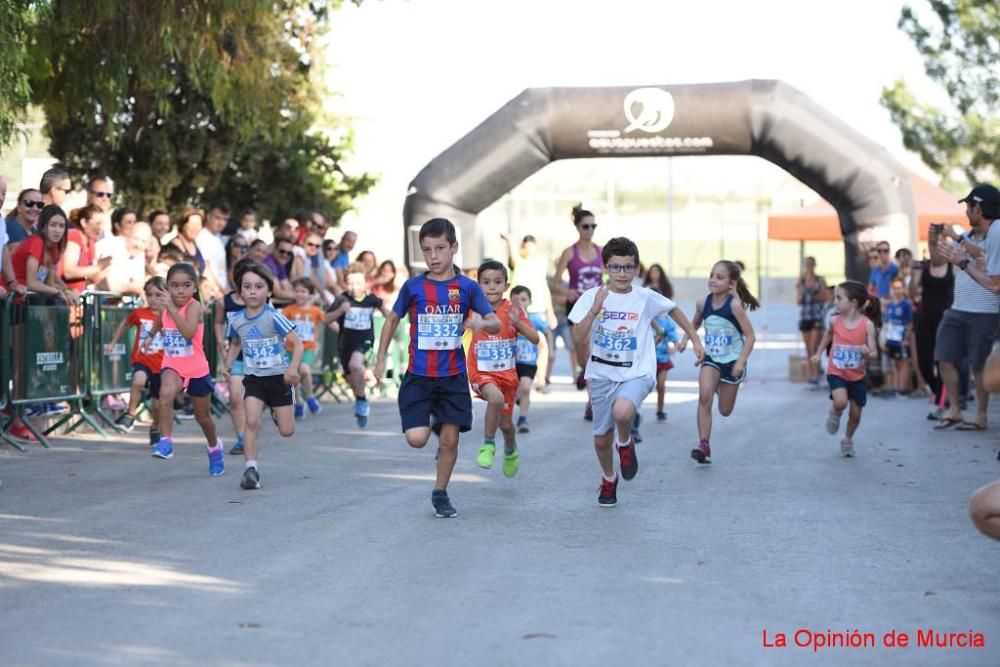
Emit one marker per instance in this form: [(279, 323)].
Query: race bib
[(439, 332), (155, 345), (305, 329), (358, 319), (176, 345), (615, 347), (263, 353), (894, 332), (495, 355), (527, 352), (42, 274), (718, 342), (847, 357)]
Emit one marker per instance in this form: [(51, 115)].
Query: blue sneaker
[(237, 449), (216, 460), (57, 408), (361, 412), (314, 407), (300, 412), (164, 448)]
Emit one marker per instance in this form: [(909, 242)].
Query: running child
[(224, 309), (354, 313), (145, 367), (435, 386), (261, 333), (308, 319), (525, 358), (729, 340), (184, 367), (852, 332), (615, 321), (896, 332), (492, 371), (666, 333)]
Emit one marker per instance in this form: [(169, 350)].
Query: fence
[(63, 354)]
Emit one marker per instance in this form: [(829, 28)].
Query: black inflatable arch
[(869, 189)]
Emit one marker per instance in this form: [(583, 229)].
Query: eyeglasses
[(238, 246), (621, 268), (313, 245), (279, 251), (109, 195), (587, 228), (28, 203)]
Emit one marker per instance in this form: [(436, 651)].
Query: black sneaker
[(443, 508), (661, 416), (154, 437), (588, 413), (628, 460), (608, 496), (251, 479), (125, 423)]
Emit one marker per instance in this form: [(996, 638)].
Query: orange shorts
[(507, 384)]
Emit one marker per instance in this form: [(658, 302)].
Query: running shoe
[(237, 449), (443, 508), (832, 423), (661, 416), (125, 423), (608, 496), (216, 460), (251, 479), (628, 460), (35, 410), (588, 412), (511, 463), (314, 407), (581, 382), (847, 448), (362, 410), (300, 412), (522, 425), (702, 453), (21, 432), (187, 414), (164, 449), (112, 402), (61, 408), (486, 454)]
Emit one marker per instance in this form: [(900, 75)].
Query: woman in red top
[(37, 259), (80, 265)]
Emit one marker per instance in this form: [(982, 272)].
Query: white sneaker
[(847, 448), (832, 423)]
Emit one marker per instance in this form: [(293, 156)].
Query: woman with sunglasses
[(586, 270), (319, 271), (20, 225), (188, 229)]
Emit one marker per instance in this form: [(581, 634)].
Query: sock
[(250, 464), (490, 440), (509, 447), (703, 441), (609, 479), (218, 445), (358, 399)]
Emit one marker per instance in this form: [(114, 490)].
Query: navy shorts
[(526, 370), (447, 399), (725, 370), (200, 387), (152, 379), (857, 391), (896, 351)]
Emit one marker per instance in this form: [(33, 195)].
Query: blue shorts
[(857, 391), (725, 370), (447, 399), (152, 379), (541, 322), (200, 387)]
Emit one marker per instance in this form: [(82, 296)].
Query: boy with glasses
[(882, 273), (616, 320)]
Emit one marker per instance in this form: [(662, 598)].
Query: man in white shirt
[(210, 242)]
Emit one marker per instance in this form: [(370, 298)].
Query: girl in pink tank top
[(852, 339), (185, 367)]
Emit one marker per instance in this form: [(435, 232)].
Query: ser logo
[(649, 109)]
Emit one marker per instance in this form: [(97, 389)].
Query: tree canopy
[(959, 41), (180, 101)]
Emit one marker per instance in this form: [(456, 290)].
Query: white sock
[(250, 464), (218, 445), (609, 479)]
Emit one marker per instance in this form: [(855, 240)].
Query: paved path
[(108, 557)]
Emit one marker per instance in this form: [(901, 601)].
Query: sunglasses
[(244, 248), (282, 252), (28, 203), (107, 195), (588, 227)]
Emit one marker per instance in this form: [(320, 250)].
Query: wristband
[(963, 264)]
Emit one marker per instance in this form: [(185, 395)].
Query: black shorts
[(347, 351), (809, 325), (725, 370), (857, 391), (447, 399), (152, 379), (896, 351), (271, 389), (526, 370)]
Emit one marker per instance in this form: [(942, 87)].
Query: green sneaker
[(511, 463), (486, 454)]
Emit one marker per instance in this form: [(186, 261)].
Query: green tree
[(15, 87), (166, 97), (959, 41)]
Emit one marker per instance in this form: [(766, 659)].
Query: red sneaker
[(608, 496), (21, 432), (628, 460), (702, 453)]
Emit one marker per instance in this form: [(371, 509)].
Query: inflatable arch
[(869, 189)]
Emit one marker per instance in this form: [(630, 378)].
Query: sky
[(414, 76)]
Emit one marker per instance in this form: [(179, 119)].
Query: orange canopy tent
[(819, 222)]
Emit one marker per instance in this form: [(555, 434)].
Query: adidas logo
[(254, 332)]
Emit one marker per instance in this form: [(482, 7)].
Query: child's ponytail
[(742, 291), (873, 311)]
